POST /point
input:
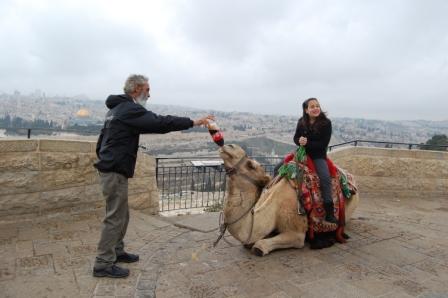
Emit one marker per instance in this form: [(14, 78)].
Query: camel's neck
[(240, 194), (241, 197)]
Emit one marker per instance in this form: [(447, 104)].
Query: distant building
[(83, 113), (207, 163), (82, 118)]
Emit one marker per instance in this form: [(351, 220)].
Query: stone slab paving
[(398, 248), (206, 222)]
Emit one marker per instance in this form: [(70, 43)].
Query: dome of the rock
[(83, 113)]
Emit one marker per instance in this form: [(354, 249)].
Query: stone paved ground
[(397, 249)]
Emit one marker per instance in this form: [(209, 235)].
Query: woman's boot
[(329, 213)]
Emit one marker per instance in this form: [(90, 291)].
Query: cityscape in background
[(81, 118)]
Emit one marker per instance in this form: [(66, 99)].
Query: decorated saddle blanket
[(343, 187), (312, 198)]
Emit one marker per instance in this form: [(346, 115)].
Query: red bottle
[(216, 133)]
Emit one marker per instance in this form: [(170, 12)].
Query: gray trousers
[(323, 173), (115, 223), (324, 179)]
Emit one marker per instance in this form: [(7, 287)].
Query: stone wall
[(47, 176), (396, 173), (42, 176)]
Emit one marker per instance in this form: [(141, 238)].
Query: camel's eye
[(250, 165)]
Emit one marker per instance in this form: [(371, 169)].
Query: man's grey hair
[(133, 81)]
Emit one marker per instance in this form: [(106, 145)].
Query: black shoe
[(331, 219), (113, 271), (127, 258), (329, 213)]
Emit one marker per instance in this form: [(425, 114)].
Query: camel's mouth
[(221, 153), (224, 153)]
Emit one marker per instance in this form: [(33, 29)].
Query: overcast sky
[(366, 59)]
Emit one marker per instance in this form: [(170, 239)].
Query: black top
[(318, 139), (118, 142)]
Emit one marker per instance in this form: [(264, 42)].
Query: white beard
[(141, 99)]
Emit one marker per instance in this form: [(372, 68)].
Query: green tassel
[(344, 186), (300, 154), (289, 170)]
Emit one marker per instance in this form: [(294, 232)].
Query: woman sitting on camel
[(314, 132)]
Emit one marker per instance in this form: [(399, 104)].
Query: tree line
[(16, 122), (435, 143), (18, 126)]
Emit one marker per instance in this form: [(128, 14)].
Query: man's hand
[(303, 141), (203, 121)]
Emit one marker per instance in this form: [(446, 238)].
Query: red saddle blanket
[(313, 202)]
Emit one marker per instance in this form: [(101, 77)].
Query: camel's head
[(236, 161)]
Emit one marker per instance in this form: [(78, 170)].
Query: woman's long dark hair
[(321, 120)]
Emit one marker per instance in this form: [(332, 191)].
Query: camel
[(262, 219)]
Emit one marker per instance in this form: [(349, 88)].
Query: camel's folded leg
[(282, 240)]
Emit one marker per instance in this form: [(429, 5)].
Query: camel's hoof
[(329, 243), (317, 245), (248, 246), (257, 251), (321, 243)]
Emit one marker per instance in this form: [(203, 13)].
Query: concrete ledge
[(395, 172), (64, 146), (390, 152), (386, 166), (46, 176), (18, 145)]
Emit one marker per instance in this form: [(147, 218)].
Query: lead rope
[(223, 226), (251, 227)]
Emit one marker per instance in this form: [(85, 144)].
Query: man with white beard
[(116, 149)]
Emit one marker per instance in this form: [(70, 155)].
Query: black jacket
[(118, 142), (318, 140)]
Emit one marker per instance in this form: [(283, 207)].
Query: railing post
[(157, 168), (29, 133)]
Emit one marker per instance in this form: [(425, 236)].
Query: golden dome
[(83, 113)]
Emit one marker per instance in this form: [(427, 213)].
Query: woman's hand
[(303, 141), (203, 121)]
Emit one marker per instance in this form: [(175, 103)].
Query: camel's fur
[(274, 212)]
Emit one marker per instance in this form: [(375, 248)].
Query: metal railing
[(183, 185), (22, 131), (386, 144)]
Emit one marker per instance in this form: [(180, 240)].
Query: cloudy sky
[(367, 59)]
